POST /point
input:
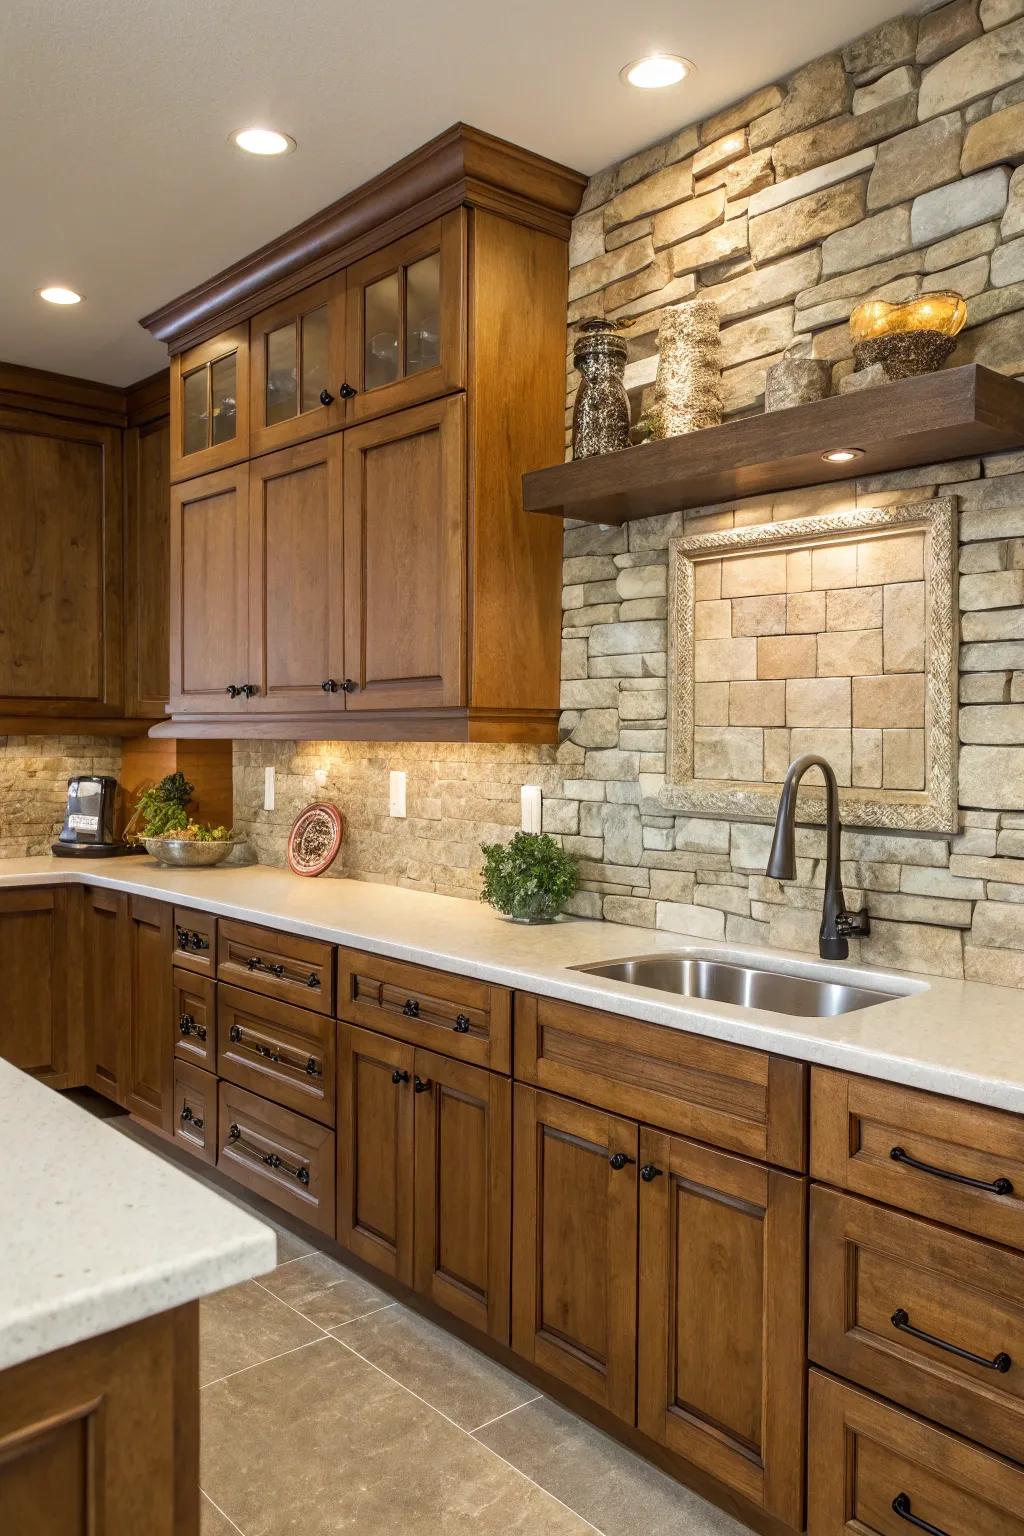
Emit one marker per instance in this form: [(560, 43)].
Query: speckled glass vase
[(600, 418)]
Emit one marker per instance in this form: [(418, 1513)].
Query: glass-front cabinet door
[(297, 376), (210, 405), (406, 330)]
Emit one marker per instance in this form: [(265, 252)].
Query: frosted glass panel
[(423, 314), (282, 375), (381, 316), (314, 357), (223, 398), (194, 409)]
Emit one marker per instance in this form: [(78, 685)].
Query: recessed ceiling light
[(843, 455), (263, 141), (656, 71), (59, 295)]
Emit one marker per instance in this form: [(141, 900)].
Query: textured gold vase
[(907, 339)]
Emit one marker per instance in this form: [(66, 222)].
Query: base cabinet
[(34, 1029), (105, 990), (148, 1087)]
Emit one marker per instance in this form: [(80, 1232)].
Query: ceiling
[(117, 177)]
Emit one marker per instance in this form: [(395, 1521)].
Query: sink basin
[(748, 986)]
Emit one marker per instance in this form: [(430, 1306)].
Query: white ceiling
[(117, 178)]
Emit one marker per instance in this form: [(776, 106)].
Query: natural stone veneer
[(888, 111), (34, 773)]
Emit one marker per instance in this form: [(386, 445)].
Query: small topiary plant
[(529, 879)]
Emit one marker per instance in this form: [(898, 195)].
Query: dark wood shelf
[(933, 419)]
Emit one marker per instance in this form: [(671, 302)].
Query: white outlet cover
[(268, 789), (396, 792)]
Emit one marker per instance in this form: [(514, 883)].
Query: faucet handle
[(853, 925)]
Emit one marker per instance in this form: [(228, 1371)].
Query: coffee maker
[(88, 830)]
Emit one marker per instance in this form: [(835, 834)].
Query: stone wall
[(34, 773), (890, 168)]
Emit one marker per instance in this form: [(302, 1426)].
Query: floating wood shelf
[(933, 419)]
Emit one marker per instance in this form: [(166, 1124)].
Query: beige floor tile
[(212, 1522), (451, 1376), (616, 1491), (319, 1443), (324, 1290), (244, 1325)]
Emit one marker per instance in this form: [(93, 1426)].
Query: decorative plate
[(315, 839)]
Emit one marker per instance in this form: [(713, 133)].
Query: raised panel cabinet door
[(722, 1317), (376, 1149), (61, 572), (405, 519), (147, 451), (210, 592), (149, 1084), (33, 949), (406, 326), (463, 1185), (574, 1246), (297, 594), (210, 405), (297, 367), (106, 990)]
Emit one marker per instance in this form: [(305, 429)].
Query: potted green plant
[(529, 879)]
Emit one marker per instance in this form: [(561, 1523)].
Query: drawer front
[(195, 941), (195, 1018), (928, 1317), (874, 1470), (281, 1052), (282, 1156), (957, 1163), (281, 965), (455, 1015), (195, 1110), (743, 1100)]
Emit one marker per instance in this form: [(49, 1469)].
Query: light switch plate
[(268, 789), (396, 793)]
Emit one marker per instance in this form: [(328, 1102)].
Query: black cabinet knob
[(329, 685), (398, 1076), (412, 1008), (649, 1173), (461, 1025), (348, 686), (421, 1086), (326, 397), (619, 1160), (248, 689), (312, 980), (232, 690), (347, 392)]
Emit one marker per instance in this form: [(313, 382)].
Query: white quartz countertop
[(962, 1038), (96, 1232)]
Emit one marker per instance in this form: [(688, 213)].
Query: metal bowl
[(186, 853)]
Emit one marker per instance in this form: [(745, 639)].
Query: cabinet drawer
[(195, 1018), (282, 1156), (284, 1053), (958, 1163), (743, 1100), (281, 965), (195, 941), (874, 1470), (195, 1110), (879, 1280), (454, 1015)]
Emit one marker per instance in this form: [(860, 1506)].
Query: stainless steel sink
[(748, 986)]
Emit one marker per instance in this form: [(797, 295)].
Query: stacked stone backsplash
[(34, 773), (889, 168)]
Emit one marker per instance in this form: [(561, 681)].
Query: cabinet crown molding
[(461, 165)]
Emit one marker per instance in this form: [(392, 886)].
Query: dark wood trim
[(538, 726), (959, 413), (148, 400), (86, 400), (461, 165)]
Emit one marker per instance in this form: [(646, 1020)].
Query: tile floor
[(328, 1407)]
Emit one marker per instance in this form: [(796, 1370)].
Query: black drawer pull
[(310, 1065), (462, 1025), (188, 938), (901, 1507), (1001, 1362), (257, 963), (649, 1173), (271, 1159), (619, 1160), (421, 1085), (399, 1076), (412, 1008), (996, 1187), (188, 1118), (313, 979), (188, 1026)]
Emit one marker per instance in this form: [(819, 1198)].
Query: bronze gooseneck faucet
[(838, 925)]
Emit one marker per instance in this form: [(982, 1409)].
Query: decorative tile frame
[(933, 809)]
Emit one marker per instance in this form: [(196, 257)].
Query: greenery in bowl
[(162, 812), (529, 879)]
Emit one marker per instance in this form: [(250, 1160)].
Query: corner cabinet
[(349, 552)]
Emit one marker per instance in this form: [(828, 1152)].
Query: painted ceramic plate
[(315, 839)]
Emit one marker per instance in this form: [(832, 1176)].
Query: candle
[(530, 799)]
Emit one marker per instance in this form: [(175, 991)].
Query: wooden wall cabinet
[(210, 591), (33, 963), (210, 405), (297, 386), (147, 568)]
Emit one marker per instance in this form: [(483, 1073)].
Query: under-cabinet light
[(843, 455)]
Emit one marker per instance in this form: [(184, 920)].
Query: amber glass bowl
[(942, 312)]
